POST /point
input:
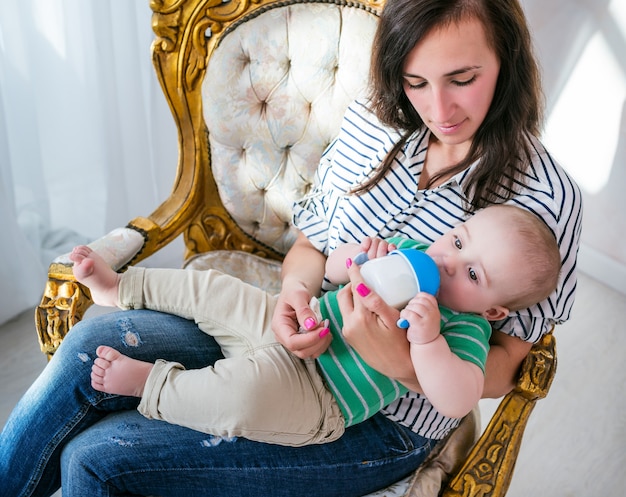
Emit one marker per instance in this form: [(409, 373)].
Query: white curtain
[(87, 141)]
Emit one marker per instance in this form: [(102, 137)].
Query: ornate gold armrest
[(65, 301), (489, 466)]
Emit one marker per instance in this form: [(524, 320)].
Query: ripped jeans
[(64, 433)]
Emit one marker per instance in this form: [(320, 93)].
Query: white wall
[(582, 48)]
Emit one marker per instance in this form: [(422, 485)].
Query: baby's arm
[(336, 271), (453, 385)]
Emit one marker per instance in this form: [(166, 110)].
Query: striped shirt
[(360, 390), (330, 216)]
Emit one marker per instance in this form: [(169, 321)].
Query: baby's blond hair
[(540, 255)]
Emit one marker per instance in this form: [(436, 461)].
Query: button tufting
[(262, 108)]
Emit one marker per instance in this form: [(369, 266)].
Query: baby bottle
[(400, 275)]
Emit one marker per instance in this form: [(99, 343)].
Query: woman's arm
[(503, 362), (302, 274)]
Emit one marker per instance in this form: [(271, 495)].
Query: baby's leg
[(92, 271), (115, 373), (267, 395)]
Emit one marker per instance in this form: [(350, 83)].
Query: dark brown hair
[(516, 111)]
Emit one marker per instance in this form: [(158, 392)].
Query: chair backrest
[(258, 90)]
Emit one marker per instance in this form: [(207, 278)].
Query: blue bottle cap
[(424, 267), (426, 274)]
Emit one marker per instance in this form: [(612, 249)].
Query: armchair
[(257, 89)]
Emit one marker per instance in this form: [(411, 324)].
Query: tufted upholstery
[(258, 271), (257, 89), (275, 92)]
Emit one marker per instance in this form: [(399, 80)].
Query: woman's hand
[(307, 340), (302, 273), (369, 325)]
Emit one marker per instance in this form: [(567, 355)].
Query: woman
[(450, 127)]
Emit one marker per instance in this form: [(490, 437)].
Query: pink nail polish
[(348, 262), (324, 332), (309, 323), (362, 290)]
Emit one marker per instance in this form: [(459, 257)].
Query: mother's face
[(450, 77)]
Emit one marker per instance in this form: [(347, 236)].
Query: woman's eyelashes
[(466, 82), (422, 84), (415, 86)]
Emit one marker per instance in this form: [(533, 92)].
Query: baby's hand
[(423, 318), (371, 248)]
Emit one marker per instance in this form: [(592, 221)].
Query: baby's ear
[(496, 313)]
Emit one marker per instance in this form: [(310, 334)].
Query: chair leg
[(489, 467)]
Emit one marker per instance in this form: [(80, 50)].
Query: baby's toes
[(107, 353)]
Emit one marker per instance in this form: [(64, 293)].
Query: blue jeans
[(63, 432)]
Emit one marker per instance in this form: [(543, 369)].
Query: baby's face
[(478, 263)]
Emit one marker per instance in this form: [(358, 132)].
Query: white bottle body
[(392, 278)]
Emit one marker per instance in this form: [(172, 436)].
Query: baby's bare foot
[(92, 271), (113, 372)]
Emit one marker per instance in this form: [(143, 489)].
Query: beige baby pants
[(260, 391)]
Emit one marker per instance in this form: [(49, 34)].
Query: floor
[(575, 440)]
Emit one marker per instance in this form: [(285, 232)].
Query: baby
[(500, 260)]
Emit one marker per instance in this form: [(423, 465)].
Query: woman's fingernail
[(324, 332), (348, 262), (362, 290), (309, 323)]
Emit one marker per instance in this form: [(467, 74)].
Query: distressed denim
[(62, 432)]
